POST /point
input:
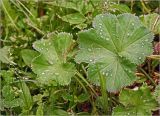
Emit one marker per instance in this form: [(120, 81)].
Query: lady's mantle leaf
[(28, 55), (5, 55), (152, 21), (75, 18), (138, 102), (52, 64), (114, 46), (157, 94), (9, 100)]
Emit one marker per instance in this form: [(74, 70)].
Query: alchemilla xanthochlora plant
[(79, 57), (113, 47)]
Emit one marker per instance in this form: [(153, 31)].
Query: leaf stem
[(81, 84), (79, 75), (9, 15), (144, 7), (147, 76)]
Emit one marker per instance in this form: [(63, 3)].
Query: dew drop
[(89, 50), (128, 34), (120, 56), (114, 10), (146, 40), (43, 73), (90, 60), (57, 74), (139, 58), (51, 62), (107, 38)]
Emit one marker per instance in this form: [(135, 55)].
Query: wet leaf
[(139, 102), (113, 47), (152, 21), (52, 66), (28, 55), (74, 18), (157, 94), (5, 55)]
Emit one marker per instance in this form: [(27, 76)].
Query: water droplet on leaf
[(90, 60), (107, 38), (57, 74), (43, 73), (89, 50)]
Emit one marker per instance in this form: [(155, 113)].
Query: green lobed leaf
[(152, 21), (5, 55), (12, 103), (74, 18), (9, 100), (52, 66), (80, 6), (66, 4), (157, 93), (28, 55), (120, 7), (139, 102), (8, 76), (8, 93), (113, 47)]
